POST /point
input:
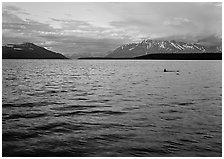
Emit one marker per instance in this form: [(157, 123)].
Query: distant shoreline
[(165, 56), (36, 58)]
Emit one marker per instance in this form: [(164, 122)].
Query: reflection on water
[(111, 108)]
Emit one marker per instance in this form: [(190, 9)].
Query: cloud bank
[(93, 29)]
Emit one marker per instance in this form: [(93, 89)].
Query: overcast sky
[(96, 28)]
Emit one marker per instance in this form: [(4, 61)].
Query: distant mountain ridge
[(161, 47), (28, 51)]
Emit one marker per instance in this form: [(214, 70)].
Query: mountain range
[(28, 51), (146, 49), (149, 46)]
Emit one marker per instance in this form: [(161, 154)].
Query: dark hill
[(182, 56), (28, 51)]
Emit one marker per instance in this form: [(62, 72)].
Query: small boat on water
[(165, 70)]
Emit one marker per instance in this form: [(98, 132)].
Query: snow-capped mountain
[(158, 47)]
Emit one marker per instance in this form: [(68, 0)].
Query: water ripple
[(97, 108)]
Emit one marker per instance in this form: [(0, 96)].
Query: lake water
[(111, 108)]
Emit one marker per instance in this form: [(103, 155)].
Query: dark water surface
[(111, 108)]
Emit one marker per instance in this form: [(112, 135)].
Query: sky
[(95, 28)]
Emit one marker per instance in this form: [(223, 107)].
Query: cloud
[(14, 9), (9, 17), (218, 4), (82, 46), (75, 37), (85, 29), (177, 21), (11, 8), (95, 28), (17, 30)]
